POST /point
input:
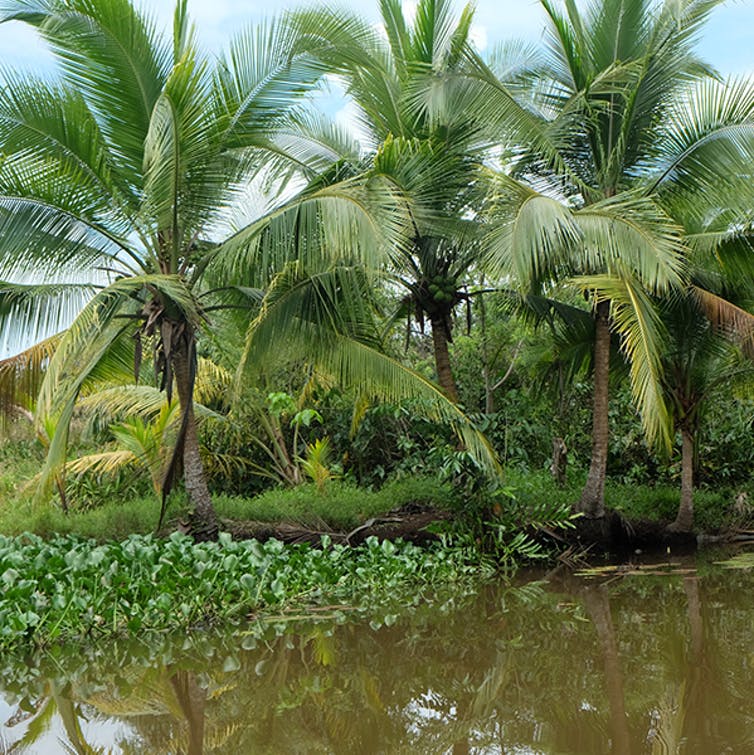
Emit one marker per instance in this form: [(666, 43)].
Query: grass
[(113, 520), (712, 508), (342, 505)]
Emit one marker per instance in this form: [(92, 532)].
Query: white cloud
[(478, 35)]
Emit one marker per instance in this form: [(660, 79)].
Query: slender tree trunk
[(489, 393), (592, 503), (204, 526), (684, 520), (442, 357)]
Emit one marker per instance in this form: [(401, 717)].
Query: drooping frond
[(106, 462), (325, 320), (42, 238), (21, 377), (636, 319), (705, 145), (31, 312), (356, 219), (531, 235), (732, 320), (630, 232), (112, 54), (55, 124)]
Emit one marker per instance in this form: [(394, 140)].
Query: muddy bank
[(408, 523), (616, 535), (613, 534)]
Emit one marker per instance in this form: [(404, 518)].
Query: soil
[(407, 523), (612, 534), (615, 535)]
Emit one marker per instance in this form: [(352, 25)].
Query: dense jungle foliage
[(523, 294)]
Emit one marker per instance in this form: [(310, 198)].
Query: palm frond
[(732, 320), (325, 319), (632, 232), (635, 317), (112, 54), (21, 377)]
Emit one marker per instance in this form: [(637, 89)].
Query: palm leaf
[(642, 339), (112, 54), (732, 320)]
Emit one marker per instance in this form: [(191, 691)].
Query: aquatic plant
[(72, 588)]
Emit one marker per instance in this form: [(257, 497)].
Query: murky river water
[(624, 663)]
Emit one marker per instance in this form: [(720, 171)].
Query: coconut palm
[(435, 157), (710, 336), (125, 182), (631, 126)]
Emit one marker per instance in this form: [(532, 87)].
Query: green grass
[(112, 520), (712, 508), (19, 462), (341, 505)]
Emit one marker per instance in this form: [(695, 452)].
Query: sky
[(727, 41), (726, 44)]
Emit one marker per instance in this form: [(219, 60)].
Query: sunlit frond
[(636, 319), (21, 377)]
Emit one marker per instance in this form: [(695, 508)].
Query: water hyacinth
[(71, 588)]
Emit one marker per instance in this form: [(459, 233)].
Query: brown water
[(628, 663)]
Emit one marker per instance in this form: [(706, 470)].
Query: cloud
[(478, 36)]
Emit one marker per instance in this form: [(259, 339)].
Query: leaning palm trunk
[(592, 503), (685, 518), (204, 525), (442, 357)]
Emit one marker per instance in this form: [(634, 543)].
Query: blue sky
[(727, 42)]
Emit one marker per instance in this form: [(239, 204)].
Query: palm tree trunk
[(192, 700), (442, 357), (684, 520), (597, 604), (204, 525), (592, 503)]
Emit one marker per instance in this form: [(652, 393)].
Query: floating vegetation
[(638, 570), (71, 588), (739, 561)]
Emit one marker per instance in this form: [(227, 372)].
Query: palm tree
[(698, 361), (710, 333), (619, 142), (123, 186), (436, 158)]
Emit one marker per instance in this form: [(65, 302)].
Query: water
[(621, 662)]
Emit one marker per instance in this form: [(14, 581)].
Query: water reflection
[(639, 664)]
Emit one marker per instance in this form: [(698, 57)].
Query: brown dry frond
[(21, 377), (736, 323)]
